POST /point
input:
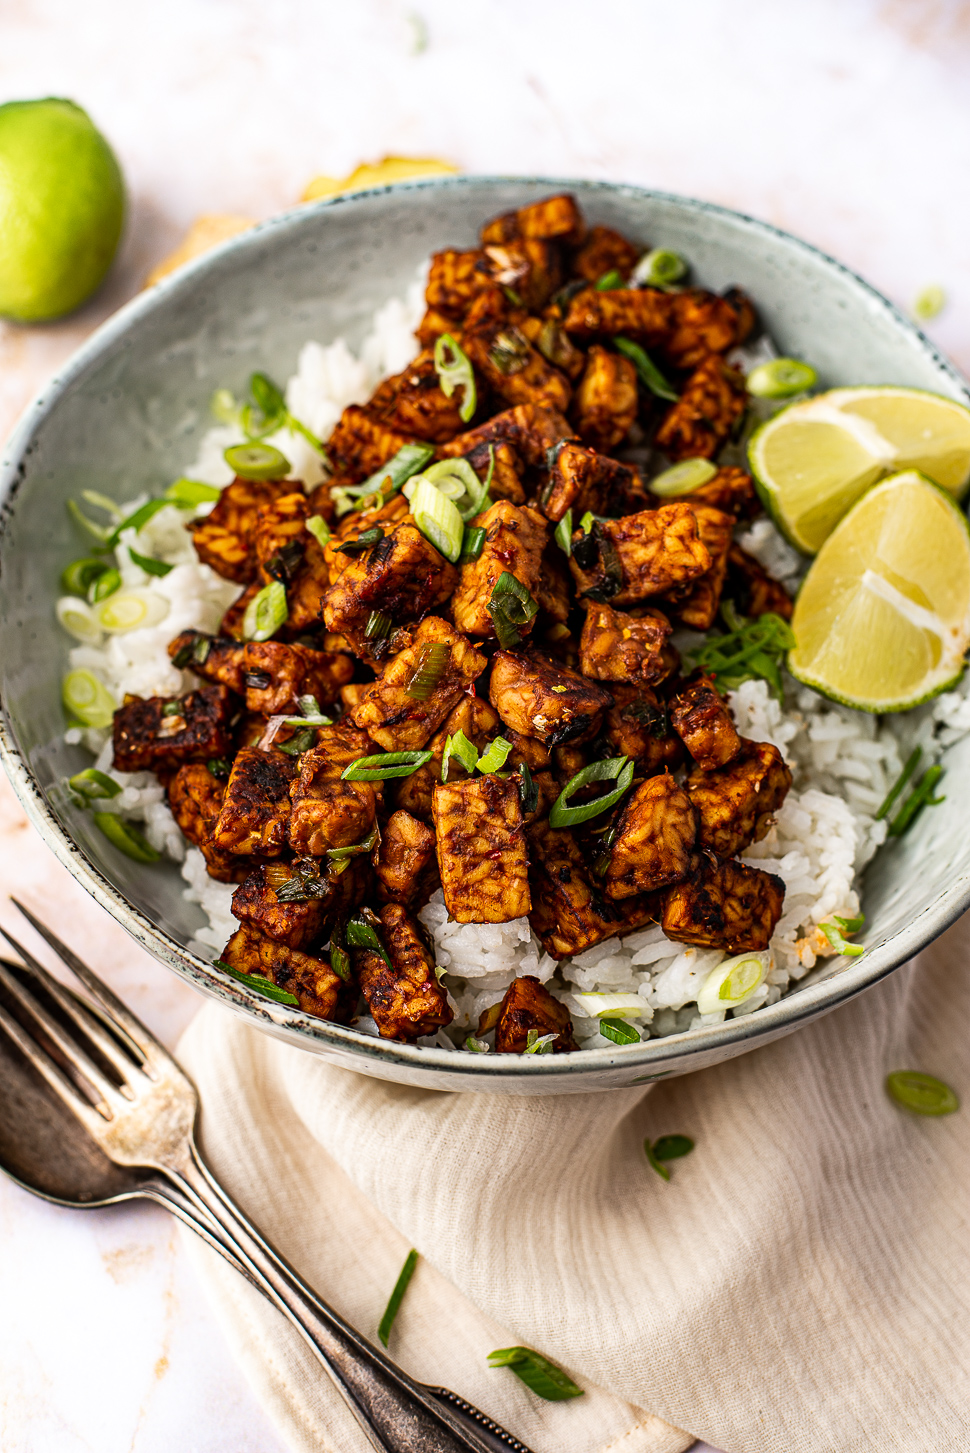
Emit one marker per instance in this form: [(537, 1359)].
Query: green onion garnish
[(429, 672), (266, 987), (188, 494), (659, 268), (476, 1046), (683, 478), (528, 791), (383, 766), (472, 545), (87, 527), (752, 648), (361, 934), (92, 784), (834, 933), (364, 542), (920, 797), (494, 757), (104, 585), (609, 282), (540, 1375), (511, 608), (366, 845), (219, 768), (536, 1043), (137, 519), (563, 534), (781, 379), (458, 745), (126, 839), (397, 1297), (298, 743), (146, 563), (269, 412), (319, 529), (912, 762), (437, 518), (510, 352), (619, 1031), (379, 625), (647, 371), (668, 1147), (339, 961), (455, 371), (618, 769), (265, 613), (587, 522), (409, 459), (922, 1093), (257, 461), (81, 574), (87, 699)]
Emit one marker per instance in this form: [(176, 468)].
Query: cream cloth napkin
[(802, 1284)]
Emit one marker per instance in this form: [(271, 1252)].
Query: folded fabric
[(801, 1283)]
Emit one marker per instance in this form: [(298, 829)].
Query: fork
[(140, 1108)]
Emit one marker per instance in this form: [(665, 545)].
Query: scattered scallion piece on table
[(92, 785), (835, 933), (397, 1297), (265, 613), (923, 1094), (618, 769), (564, 533), (384, 766), (438, 519), (909, 767), (920, 797), (266, 987), (126, 839), (929, 303), (88, 699), (430, 671), (610, 281), (668, 1147), (495, 755), (658, 269), (454, 370), (781, 378), (458, 745), (682, 478), (647, 371), (512, 608), (540, 1375), (257, 461)]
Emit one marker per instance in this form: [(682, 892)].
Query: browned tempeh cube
[(700, 323), (731, 907), (540, 698), (405, 999), (753, 590), (226, 538), (512, 368), (605, 251), (529, 267), (731, 489), (638, 556), (615, 646), (554, 219), (528, 1005), (413, 402), (320, 991), (506, 480), (551, 339), (158, 732), (399, 721), (481, 849), (432, 325), (404, 860), (403, 575), (281, 535), (581, 480), (637, 726), (698, 607), (570, 914), (256, 808), (554, 591), (297, 924), (359, 445), (277, 676), (736, 803), (606, 400), (654, 839), (531, 429), (196, 798), (455, 280), (214, 658), (642, 314), (702, 721), (713, 400), (515, 538), (308, 586), (473, 716), (329, 811)]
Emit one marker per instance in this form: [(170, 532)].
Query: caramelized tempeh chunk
[(405, 998), (328, 811), (731, 489), (618, 647), (481, 849), (528, 1005), (642, 314), (698, 424), (703, 723), (736, 803), (404, 860), (699, 606), (319, 990), (296, 924), (514, 541), (581, 480), (606, 399), (700, 323), (531, 429), (226, 538), (555, 219), (479, 722), (278, 675), (413, 402), (605, 251), (540, 698), (637, 726), (654, 839), (554, 343), (529, 266), (256, 808), (512, 368), (403, 575), (359, 445), (731, 907), (195, 798), (400, 722), (215, 658), (455, 280), (506, 482), (639, 555), (569, 913), (280, 534), (155, 733), (753, 590)]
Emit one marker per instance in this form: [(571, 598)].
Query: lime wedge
[(813, 460), (882, 620)]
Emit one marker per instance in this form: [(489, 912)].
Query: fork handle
[(396, 1413)]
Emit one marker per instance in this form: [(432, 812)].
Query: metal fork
[(140, 1108)]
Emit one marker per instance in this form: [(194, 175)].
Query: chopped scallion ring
[(266, 987), (682, 478), (188, 494), (455, 372), (618, 769), (920, 797), (430, 671), (364, 542), (457, 481), (131, 610), (835, 932), (619, 1031), (495, 756), (732, 982), (610, 281), (438, 519), (340, 961), (536, 1043), (397, 1297), (87, 699), (409, 459), (472, 544), (78, 619), (528, 791), (458, 745), (81, 574), (512, 609), (383, 766), (782, 378), (125, 838), (648, 372), (104, 585), (476, 1046), (257, 461), (146, 563), (912, 762), (659, 268), (924, 1094), (298, 743), (87, 527), (102, 502), (379, 626), (620, 1006), (355, 849), (361, 934), (92, 785), (668, 1147), (319, 529), (265, 613), (564, 533)]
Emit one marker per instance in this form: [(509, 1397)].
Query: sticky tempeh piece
[(195, 798), (226, 538), (540, 698), (639, 556), (701, 323), (606, 399), (359, 445), (512, 368), (296, 924), (481, 849), (320, 991), (605, 251), (531, 429), (155, 733), (642, 314), (455, 280), (277, 675), (637, 726), (404, 860), (570, 914), (731, 907), (256, 808), (702, 721), (615, 646), (214, 658), (528, 1005), (403, 575), (713, 400), (581, 480), (752, 589), (400, 722), (405, 999), (736, 803), (698, 607), (413, 402), (654, 839), (514, 541), (329, 811)]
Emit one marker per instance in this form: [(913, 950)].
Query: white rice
[(843, 762)]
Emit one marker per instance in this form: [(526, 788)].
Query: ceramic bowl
[(127, 412)]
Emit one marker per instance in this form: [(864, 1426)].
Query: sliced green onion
[(131, 610), (512, 608), (224, 407), (310, 715), (455, 372), (87, 527), (652, 1160), (364, 542), (87, 699), (270, 411), (619, 1031), (458, 745), (835, 932), (619, 769), (540, 1375), (438, 519), (563, 534), (138, 518), (753, 648), (647, 371), (457, 481), (219, 768), (106, 584), (126, 839), (622, 1006), (610, 281), (319, 529), (361, 934), (409, 459), (146, 563), (188, 494), (528, 791), (340, 961), (431, 668), (781, 378), (80, 574), (298, 743), (476, 1046), (102, 502), (265, 613), (263, 986), (303, 884), (587, 522), (257, 461), (366, 845), (78, 619), (397, 1297), (536, 1043), (379, 626), (672, 1147), (659, 268), (912, 762), (495, 756), (929, 303), (924, 1094), (732, 982), (683, 478), (472, 544), (920, 797), (383, 766), (92, 785), (510, 352)]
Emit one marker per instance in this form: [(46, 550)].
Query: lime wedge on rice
[(813, 460), (882, 620)]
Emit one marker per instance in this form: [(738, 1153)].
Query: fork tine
[(78, 1013), (65, 1091)]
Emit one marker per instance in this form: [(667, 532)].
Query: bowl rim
[(801, 1005)]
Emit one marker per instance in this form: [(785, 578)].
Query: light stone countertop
[(843, 123)]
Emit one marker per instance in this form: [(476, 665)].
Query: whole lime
[(62, 208)]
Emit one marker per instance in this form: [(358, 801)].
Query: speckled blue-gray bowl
[(127, 412)]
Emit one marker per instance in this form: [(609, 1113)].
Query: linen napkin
[(801, 1283)]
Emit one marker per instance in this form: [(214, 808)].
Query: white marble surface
[(844, 122)]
